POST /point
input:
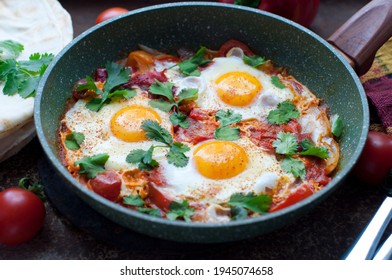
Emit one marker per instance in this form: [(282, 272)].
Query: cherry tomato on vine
[(375, 161), (109, 13), (22, 215), (300, 11)]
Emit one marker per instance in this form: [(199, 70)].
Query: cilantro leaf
[(89, 85), (73, 140), (249, 3), (190, 66), (12, 82), (238, 213), (10, 49), (134, 200), (149, 211), (187, 94), (337, 125), (156, 132), (6, 67), (28, 87), (180, 210), (276, 82), (96, 104), (309, 149), (176, 155), (286, 143), (92, 166), (161, 105), (227, 133), (294, 166), (228, 117), (142, 158), (283, 114), (117, 75), (125, 93), (254, 60), (35, 62), (179, 119), (164, 89), (256, 203)]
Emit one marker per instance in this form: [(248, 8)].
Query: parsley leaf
[(276, 82), (143, 158), (286, 143), (283, 114), (224, 131), (92, 166), (180, 210), (125, 93), (337, 125), (187, 94), (190, 66), (179, 119), (117, 75), (256, 203), (294, 166), (254, 60), (156, 132), (176, 155), (134, 200), (164, 89), (309, 149), (73, 140), (227, 133), (161, 105), (228, 117), (149, 211), (21, 76), (10, 49)]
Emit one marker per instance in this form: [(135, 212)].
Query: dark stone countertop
[(325, 233)]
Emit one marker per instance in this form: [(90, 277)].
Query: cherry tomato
[(109, 13), (299, 194), (300, 11), (22, 215), (375, 161)]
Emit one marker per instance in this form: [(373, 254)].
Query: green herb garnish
[(190, 66), (337, 125), (276, 82), (249, 3), (117, 75), (149, 211), (309, 149), (294, 166), (92, 166), (23, 76), (285, 144), (225, 131), (256, 203), (133, 200), (73, 140), (154, 131), (254, 60), (283, 114), (180, 210)]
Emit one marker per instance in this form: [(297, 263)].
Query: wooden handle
[(364, 33)]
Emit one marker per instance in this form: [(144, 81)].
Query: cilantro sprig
[(276, 82), (254, 60), (137, 201), (190, 66), (309, 149), (117, 75), (294, 166), (180, 210), (155, 132), (225, 131), (73, 140), (92, 166), (166, 90), (22, 76), (285, 111), (250, 201)]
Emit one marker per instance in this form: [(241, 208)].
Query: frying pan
[(309, 58)]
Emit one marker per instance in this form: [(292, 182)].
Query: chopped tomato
[(228, 45), (197, 131), (157, 198), (107, 185), (300, 193), (145, 80), (316, 170)]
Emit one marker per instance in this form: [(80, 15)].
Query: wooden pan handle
[(364, 33)]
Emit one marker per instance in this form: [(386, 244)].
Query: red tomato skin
[(375, 161), (109, 13), (107, 185), (302, 192), (22, 215), (158, 198)]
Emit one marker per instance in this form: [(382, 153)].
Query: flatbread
[(41, 26)]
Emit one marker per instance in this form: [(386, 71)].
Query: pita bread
[(41, 26)]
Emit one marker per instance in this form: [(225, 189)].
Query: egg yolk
[(220, 159), (126, 123), (237, 88)]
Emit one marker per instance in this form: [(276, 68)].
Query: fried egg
[(114, 130), (218, 169)]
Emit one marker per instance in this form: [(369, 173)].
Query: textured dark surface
[(344, 214)]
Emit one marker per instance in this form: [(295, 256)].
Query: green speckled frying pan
[(309, 58)]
